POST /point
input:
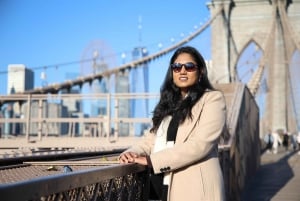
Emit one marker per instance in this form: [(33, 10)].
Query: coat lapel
[(186, 128)]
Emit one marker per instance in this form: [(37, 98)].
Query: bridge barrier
[(109, 182), (244, 142), (90, 180)]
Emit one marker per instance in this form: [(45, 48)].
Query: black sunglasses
[(189, 67)]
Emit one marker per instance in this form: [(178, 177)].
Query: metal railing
[(64, 114), (113, 182), (108, 181)]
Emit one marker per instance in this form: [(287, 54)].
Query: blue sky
[(47, 35)]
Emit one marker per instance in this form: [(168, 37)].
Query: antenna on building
[(140, 28)]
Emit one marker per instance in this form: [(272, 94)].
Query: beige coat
[(193, 160)]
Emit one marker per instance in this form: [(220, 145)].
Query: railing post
[(116, 131), (108, 116), (28, 116), (41, 119), (70, 129)]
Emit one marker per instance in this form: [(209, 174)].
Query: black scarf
[(173, 127)]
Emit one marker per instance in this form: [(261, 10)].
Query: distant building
[(19, 79), (98, 107), (8, 113), (134, 81), (122, 86), (49, 110), (74, 106)]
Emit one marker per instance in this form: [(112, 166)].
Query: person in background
[(293, 141), (298, 141), (277, 141), (187, 124), (286, 140), (269, 141)]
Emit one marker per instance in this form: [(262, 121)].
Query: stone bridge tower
[(274, 26)]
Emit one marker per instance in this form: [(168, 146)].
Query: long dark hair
[(170, 95)]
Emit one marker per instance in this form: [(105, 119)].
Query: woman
[(187, 124)]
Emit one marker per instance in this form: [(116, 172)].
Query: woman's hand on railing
[(127, 157), (130, 157)]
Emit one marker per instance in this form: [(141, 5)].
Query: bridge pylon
[(273, 26)]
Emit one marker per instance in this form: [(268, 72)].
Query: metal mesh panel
[(33, 171)]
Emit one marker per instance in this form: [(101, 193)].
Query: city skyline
[(62, 36)]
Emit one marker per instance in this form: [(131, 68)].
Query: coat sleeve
[(207, 129), (145, 146)]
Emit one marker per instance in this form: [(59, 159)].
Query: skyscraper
[(73, 105), (122, 86), (19, 79), (98, 107), (140, 84)]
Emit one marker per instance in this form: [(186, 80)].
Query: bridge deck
[(20, 146), (277, 179)]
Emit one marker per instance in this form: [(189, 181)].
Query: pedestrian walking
[(269, 140), (286, 141), (276, 141), (298, 142), (293, 141)]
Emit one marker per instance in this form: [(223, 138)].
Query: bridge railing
[(109, 181), (113, 182), (243, 158), (75, 114)]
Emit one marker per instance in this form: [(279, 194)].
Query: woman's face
[(184, 79)]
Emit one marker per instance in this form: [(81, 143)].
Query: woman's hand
[(127, 157), (130, 157)]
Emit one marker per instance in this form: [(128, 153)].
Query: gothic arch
[(247, 49)]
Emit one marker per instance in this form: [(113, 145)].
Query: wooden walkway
[(277, 179)]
